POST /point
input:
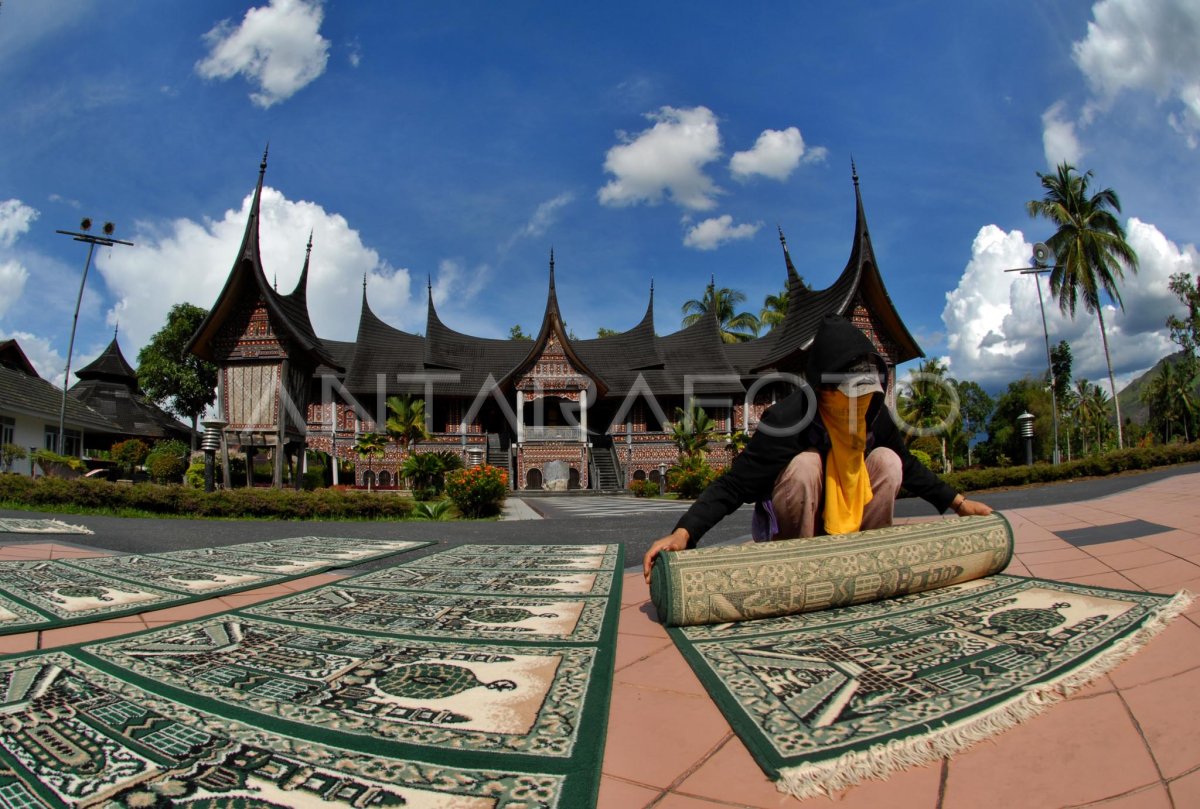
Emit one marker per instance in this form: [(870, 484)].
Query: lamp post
[(1041, 255), (210, 443), (662, 478), (91, 240), (1025, 425)]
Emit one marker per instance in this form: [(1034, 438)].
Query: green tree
[(515, 333), (692, 430), (1060, 366), (974, 407), (604, 332), (1004, 443), (370, 446), (406, 420), (182, 382), (774, 310), (1091, 253), (736, 327), (1171, 395), (929, 404)]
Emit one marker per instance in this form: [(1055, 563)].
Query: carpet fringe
[(880, 761), (51, 527)]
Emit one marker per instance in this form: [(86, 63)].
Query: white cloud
[(15, 219), (712, 233), (668, 158), (1149, 45), (189, 261), (1058, 138), (279, 47), (993, 320), (776, 154), (12, 280), (546, 214)]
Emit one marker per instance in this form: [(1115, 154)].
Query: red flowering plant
[(478, 491)]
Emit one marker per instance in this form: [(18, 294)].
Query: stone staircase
[(499, 456), (608, 479)]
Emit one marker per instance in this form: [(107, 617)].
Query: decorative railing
[(552, 434)]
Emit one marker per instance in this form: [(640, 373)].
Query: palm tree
[(406, 420), (736, 327), (930, 402), (1090, 250), (370, 445), (774, 310), (692, 430)]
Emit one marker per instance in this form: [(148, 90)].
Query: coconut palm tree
[(774, 310), (736, 327), (1090, 250), (406, 420), (930, 402), (369, 446)]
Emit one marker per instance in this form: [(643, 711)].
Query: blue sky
[(644, 142)]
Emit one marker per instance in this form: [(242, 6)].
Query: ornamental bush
[(691, 476), (167, 462), (643, 488), (478, 491), (129, 454)]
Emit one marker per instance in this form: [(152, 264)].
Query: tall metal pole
[(1036, 272), (92, 240)]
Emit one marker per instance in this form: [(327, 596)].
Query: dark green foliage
[(185, 383), (322, 504), (1110, 463), (53, 464), (478, 491), (167, 461), (1004, 439)]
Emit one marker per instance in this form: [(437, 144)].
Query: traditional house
[(30, 408), (557, 412)]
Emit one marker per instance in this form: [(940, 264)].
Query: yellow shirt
[(847, 484)]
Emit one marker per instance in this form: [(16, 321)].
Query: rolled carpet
[(764, 580)]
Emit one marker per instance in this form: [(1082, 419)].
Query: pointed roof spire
[(787, 258), (308, 250), (551, 268), (301, 290), (853, 171), (429, 285)]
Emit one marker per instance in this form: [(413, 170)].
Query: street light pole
[(91, 240), (1040, 252)]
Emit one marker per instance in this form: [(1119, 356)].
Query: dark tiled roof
[(34, 396), (633, 350), (11, 356), (134, 414), (383, 350), (110, 365)]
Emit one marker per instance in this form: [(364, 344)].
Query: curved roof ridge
[(111, 365)]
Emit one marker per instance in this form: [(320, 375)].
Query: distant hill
[(1130, 397)]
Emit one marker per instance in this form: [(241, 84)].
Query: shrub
[(194, 476), (57, 465), (922, 456), (437, 510), (478, 491), (129, 454), (167, 462), (51, 493), (690, 477), (313, 479), (10, 454), (643, 488)]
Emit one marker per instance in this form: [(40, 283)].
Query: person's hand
[(971, 508), (677, 540)]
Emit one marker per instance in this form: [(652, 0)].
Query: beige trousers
[(798, 497)]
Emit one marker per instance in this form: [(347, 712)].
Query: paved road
[(565, 522)]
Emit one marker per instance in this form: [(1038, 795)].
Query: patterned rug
[(824, 700), (16, 525), (761, 580), (368, 691), (47, 594)]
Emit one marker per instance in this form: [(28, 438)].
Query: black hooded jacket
[(792, 426)]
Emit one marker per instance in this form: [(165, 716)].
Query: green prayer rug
[(37, 595), (18, 525), (76, 735), (824, 700), (515, 686)]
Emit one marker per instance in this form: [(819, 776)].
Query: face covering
[(847, 485)]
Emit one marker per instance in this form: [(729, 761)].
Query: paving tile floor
[(1128, 740)]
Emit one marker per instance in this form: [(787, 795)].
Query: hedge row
[(1111, 463), (322, 504)]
